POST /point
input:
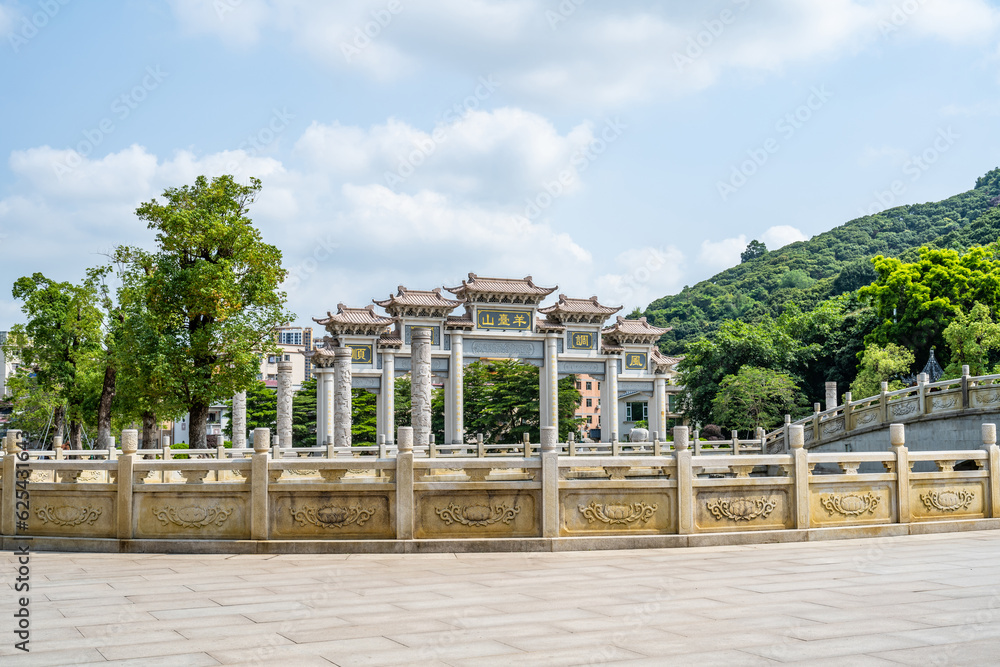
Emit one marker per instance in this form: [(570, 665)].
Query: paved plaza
[(927, 600)]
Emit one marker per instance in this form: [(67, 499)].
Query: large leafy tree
[(62, 342), (971, 337), (755, 397), (213, 291), (881, 364), (916, 301)]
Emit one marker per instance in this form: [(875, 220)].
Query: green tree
[(214, 291), (755, 397), (881, 364), (971, 337), (304, 415), (62, 341), (754, 250), (34, 409), (916, 301)]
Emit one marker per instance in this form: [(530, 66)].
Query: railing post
[(815, 422), (258, 485), (736, 443), (800, 458), (57, 443), (685, 482), (616, 448), (696, 442), (785, 435), (7, 521), (897, 438), (883, 402), (657, 447), (550, 482), (432, 450), (404, 484), (381, 446), (126, 465), (848, 411), (480, 447), (922, 391), (990, 445), (526, 441), (965, 387)]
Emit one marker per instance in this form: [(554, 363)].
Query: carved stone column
[(551, 383), (387, 398), (658, 413), (342, 397), (609, 400), (239, 419), (420, 354), (285, 403), (328, 406), (456, 376)]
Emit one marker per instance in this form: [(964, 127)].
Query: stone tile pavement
[(915, 600)]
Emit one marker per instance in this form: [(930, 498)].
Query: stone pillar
[(550, 482), (609, 399), (259, 505), (456, 376), (993, 466), (342, 397), (321, 404), (329, 406), (897, 439), (124, 481), (239, 419), (658, 411), (831, 395), (388, 396), (285, 403), (551, 382), (404, 485), (420, 355), (685, 482), (800, 458)]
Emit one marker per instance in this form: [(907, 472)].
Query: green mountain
[(828, 264)]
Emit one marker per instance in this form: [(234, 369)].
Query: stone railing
[(402, 503), (947, 398)]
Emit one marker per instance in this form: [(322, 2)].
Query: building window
[(578, 385), (598, 386), (589, 385), (636, 411), (672, 402), (590, 402), (270, 359), (288, 357)]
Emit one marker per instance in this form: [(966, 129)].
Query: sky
[(620, 149)]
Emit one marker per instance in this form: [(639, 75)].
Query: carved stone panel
[(477, 514), (947, 499), (76, 513), (332, 516), (985, 397), (613, 512), (201, 516), (905, 408), (513, 349), (591, 368), (746, 508), (851, 504)]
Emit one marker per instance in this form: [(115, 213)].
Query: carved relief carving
[(527, 349), (617, 513), (904, 408), (67, 515), (947, 500), (834, 427), (332, 516), (192, 516), (616, 472), (983, 399), (742, 509), (478, 515), (944, 402), (867, 417), (850, 504)]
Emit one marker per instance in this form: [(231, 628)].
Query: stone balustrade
[(254, 501)]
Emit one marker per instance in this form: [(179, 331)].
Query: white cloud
[(641, 276), (781, 235), (594, 56), (718, 255)]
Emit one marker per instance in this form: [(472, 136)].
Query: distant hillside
[(828, 264)]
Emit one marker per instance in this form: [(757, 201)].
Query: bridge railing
[(945, 397)]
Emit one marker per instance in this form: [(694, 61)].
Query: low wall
[(407, 504)]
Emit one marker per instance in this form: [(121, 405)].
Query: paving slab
[(921, 599)]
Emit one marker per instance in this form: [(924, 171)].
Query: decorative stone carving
[(944, 402), (992, 398), (635, 386), (833, 427), (850, 467), (742, 509), (945, 465), (342, 397), (332, 516), (420, 387), (616, 472), (301, 473), (193, 476), (807, 435), (332, 474), (192, 516), (869, 417), (68, 515), (903, 408), (618, 513), (638, 435), (239, 420), (742, 471), (850, 504), (284, 405), (947, 500), (478, 515), (68, 476), (588, 367), (492, 348)]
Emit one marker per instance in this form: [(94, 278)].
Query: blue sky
[(621, 149)]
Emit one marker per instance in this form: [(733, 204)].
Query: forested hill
[(830, 263)]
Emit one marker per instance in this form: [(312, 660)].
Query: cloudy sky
[(622, 149)]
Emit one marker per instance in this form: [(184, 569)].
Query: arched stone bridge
[(939, 415)]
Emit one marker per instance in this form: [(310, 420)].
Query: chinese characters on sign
[(635, 360), (361, 354), (581, 340), (519, 320), (435, 334)]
